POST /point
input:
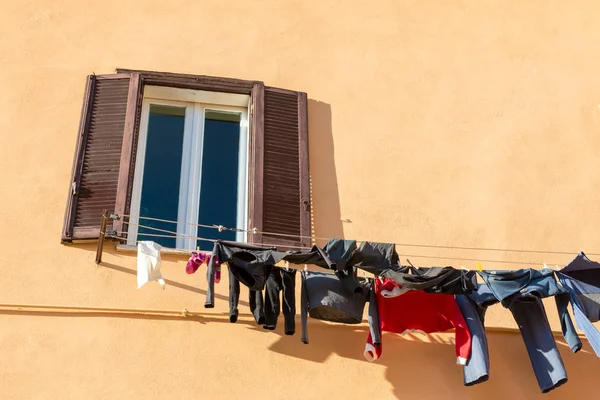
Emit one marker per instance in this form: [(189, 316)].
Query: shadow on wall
[(418, 368), (171, 282), (325, 198)]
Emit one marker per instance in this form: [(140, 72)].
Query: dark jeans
[(255, 299), (281, 280), (530, 316), (539, 341)]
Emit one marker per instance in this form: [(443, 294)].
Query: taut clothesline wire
[(397, 244), (298, 247), (175, 235), (186, 236)]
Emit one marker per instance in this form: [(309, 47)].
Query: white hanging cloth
[(148, 263)]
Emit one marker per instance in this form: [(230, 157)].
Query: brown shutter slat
[(282, 186), (127, 156), (255, 184), (95, 174)]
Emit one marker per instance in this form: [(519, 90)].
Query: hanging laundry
[(444, 280), (325, 297), (255, 298), (521, 285), (217, 273), (339, 251), (335, 255), (530, 316), (584, 270), (401, 310), (217, 270), (148, 263), (195, 261), (247, 263), (314, 256), (477, 368), (377, 258), (281, 280), (581, 278), (382, 259)]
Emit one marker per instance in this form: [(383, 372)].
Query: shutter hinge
[(305, 204), (251, 109), (73, 188)]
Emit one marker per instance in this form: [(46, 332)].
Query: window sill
[(124, 248)]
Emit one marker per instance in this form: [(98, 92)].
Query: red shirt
[(401, 310)]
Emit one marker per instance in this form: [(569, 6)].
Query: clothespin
[(545, 266), (479, 267), (305, 267), (287, 266), (411, 264)]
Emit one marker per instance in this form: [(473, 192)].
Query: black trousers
[(255, 300), (281, 280)]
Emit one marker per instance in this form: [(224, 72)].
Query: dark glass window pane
[(162, 171), (219, 184)]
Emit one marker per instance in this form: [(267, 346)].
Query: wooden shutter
[(96, 175), (280, 188)]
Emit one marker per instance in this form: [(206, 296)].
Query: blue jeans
[(477, 368)]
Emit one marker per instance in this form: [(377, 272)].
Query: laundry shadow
[(325, 197), (424, 366), (171, 283), (203, 318)]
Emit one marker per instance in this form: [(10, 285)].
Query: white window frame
[(196, 103)]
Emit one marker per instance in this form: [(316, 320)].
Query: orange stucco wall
[(461, 124)]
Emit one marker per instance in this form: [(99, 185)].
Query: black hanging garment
[(335, 255), (280, 280), (376, 257), (379, 259), (326, 298), (247, 264), (255, 299), (445, 280)]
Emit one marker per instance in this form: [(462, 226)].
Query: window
[(192, 149), (191, 167)]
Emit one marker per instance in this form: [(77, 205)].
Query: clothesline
[(114, 234), (175, 235), (221, 227)]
